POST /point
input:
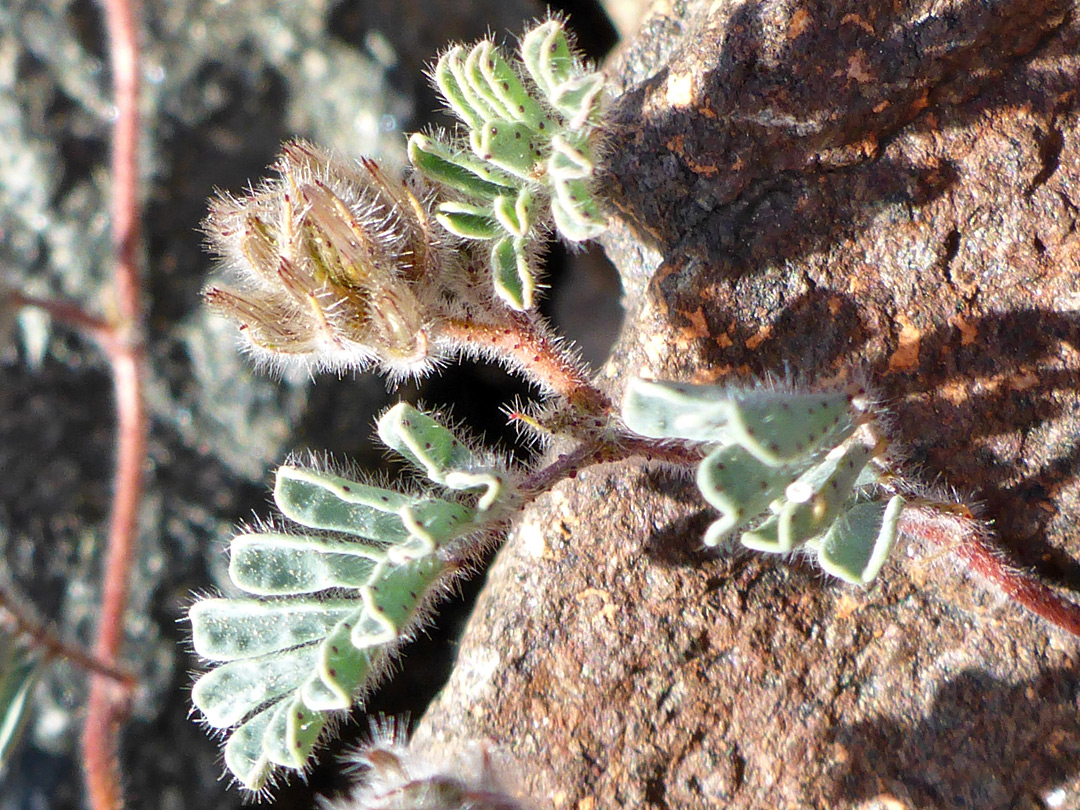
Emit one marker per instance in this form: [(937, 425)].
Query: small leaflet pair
[(294, 654), (789, 469), (529, 156)]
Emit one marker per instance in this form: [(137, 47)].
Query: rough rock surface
[(804, 187), (224, 82)]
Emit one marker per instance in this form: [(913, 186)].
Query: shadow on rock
[(984, 744), (771, 126), (1007, 381)]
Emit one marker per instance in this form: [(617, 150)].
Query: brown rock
[(804, 188)]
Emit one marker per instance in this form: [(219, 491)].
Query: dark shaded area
[(44, 419), (88, 24), (228, 150), (583, 301), (673, 543), (977, 724), (417, 34), (593, 32)]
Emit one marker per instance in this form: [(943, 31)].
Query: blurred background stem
[(124, 346)]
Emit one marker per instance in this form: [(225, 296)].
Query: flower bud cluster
[(330, 266)]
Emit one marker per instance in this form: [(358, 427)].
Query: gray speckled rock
[(224, 84)]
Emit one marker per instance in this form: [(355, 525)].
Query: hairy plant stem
[(67, 313), (968, 539), (604, 451), (125, 349), (523, 342), (42, 637)]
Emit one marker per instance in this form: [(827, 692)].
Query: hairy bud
[(399, 776), (331, 266)]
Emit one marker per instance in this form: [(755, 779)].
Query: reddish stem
[(524, 343), (44, 639), (967, 538), (663, 450), (603, 451), (124, 347), (67, 313), (566, 465)]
